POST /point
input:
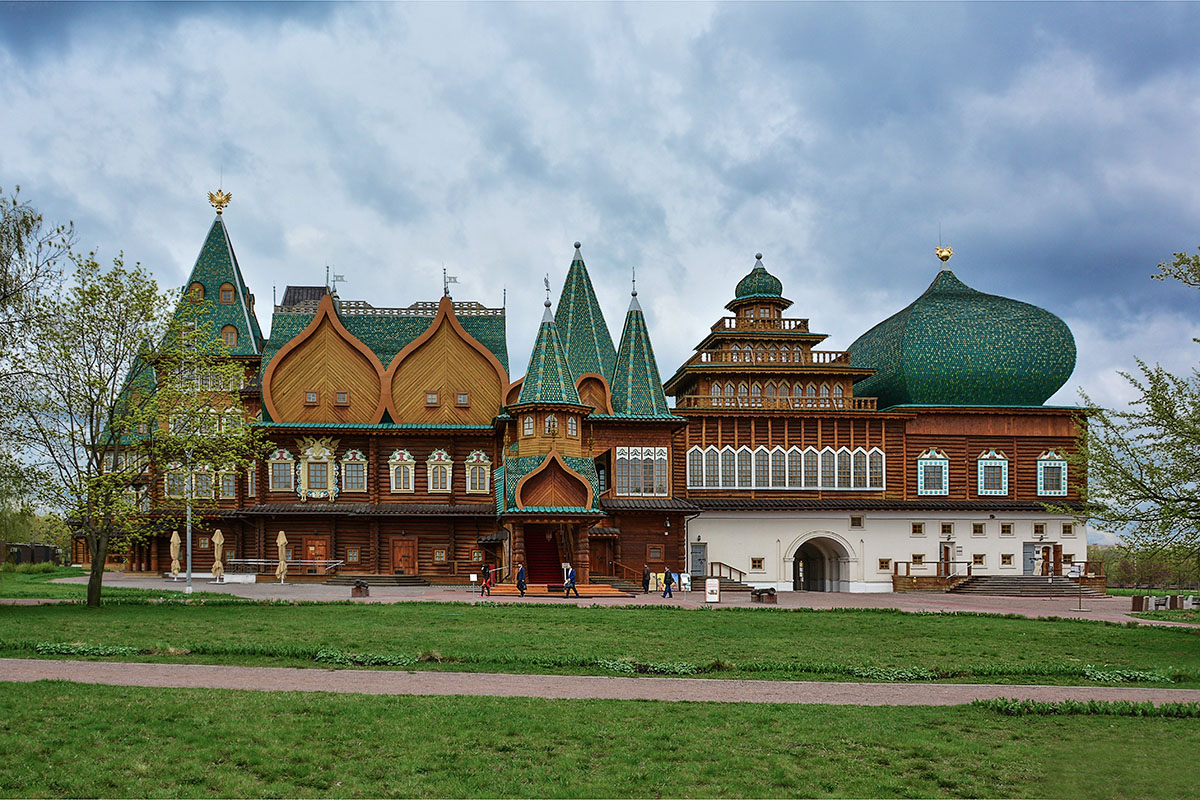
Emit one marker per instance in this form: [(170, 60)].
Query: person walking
[(668, 579), (486, 588), (569, 586), (646, 579), (521, 584)]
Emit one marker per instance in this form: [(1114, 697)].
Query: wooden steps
[(377, 580), (556, 590), (1022, 586)]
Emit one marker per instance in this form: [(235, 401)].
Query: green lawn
[(1177, 615), (133, 742), (765, 643), (21, 585)]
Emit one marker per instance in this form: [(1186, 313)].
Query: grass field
[(123, 742), (764, 643), (20, 585)]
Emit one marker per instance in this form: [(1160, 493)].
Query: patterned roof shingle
[(548, 379), (586, 341), (216, 265), (636, 387)]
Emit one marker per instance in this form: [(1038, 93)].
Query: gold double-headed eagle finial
[(943, 253), (219, 199)]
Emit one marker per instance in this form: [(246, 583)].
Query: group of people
[(669, 581)]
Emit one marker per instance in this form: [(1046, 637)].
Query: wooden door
[(404, 556), (315, 549), (601, 556), (946, 565)]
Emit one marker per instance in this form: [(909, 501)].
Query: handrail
[(747, 401), (770, 356), (628, 570), (761, 324), (717, 569), (328, 564)]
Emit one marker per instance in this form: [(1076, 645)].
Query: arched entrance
[(821, 564)]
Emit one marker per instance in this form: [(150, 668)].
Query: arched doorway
[(821, 564)]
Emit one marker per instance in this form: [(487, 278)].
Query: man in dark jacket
[(570, 584), (646, 579), (521, 585), (667, 581)]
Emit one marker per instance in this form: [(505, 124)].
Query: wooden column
[(518, 544), (584, 570), (154, 555), (375, 554)]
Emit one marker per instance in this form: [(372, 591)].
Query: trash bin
[(1139, 602), (360, 589)]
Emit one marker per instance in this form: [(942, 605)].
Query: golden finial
[(219, 199), (943, 253)]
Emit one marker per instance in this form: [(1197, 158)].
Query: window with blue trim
[(1051, 474), (993, 473), (933, 473)]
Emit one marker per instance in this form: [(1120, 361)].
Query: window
[(1068, 529), (641, 471), (875, 471), (462, 399), (1051, 474), (143, 428), (1039, 529), (479, 472), (477, 555), (660, 471), (756, 564), (354, 476), (885, 564), (173, 484), (1068, 558), (281, 476), (978, 529), (230, 335), (860, 469), (439, 556), (918, 529), (226, 293), (352, 555), (318, 476), (712, 468), (439, 471), (342, 398), (918, 559), (933, 473), (856, 522), (695, 468), (551, 425), (196, 292), (228, 485), (654, 552), (622, 484), (310, 398), (252, 481), (527, 426), (828, 469), (744, 469), (1006, 559), (779, 472), (843, 470), (572, 426), (795, 466), (202, 543), (811, 473), (947, 529), (993, 473), (202, 485), (431, 398), (400, 467), (977, 559), (762, 469), (1006, 529)]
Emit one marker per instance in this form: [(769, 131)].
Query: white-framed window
[(527, 426), (572, 426), (318, 471), (228, 485), (762, 468), (174, 481), (252, 481), (828, 468), (1051, 474), (812, 470), (479, 473), (993, 473), (779, 468), (281, 467), (439, 471), (876, 474), (202, 484), (400, 468), (843, 469), (728, 468), (695, 468), (551, 425), (933, 473), (860, 468), (641, 471), (1068, 529), (745, 468), (712, 468), (354, 471), (917, 529), (978, 529)]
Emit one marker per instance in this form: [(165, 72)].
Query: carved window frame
[(439, 472), (355, 458), (403, 462)]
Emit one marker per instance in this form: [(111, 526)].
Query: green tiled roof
[(957, 346), (758, 284), (382, 426), (388, 334), (217, 265), (548, 379), (516, 468), (636, 387), (586, 342)]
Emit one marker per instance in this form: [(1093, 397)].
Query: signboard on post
[(712, 590)]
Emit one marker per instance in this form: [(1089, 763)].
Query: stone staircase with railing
[(1022, 586)]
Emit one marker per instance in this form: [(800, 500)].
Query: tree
[(114, 379), (1143, 477), (30, 253)]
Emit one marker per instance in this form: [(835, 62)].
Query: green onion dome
[(956, 346), (758, 285)]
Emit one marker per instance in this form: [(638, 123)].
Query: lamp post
[(187, 500)]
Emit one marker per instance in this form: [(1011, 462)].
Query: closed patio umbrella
[(218, 569), (281, 543), (175, 554)]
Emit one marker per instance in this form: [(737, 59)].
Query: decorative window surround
[(228, 485), (1051, 475), (354, 471), (252, 480), (401, 467), (439, 469), (992, 476), (794, 469), (641, 471), (933, 473), (316, 460), (479, 473), (281, 469), (527, 429)]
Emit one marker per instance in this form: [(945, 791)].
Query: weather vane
[(220, 199)]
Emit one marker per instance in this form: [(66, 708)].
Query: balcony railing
[(779, 403), (759, 324), (768, 356)]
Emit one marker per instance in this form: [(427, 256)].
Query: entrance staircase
[(377, 580), (542, 564), (556, 590), (727, 585), (1022, 586), (620, 584)]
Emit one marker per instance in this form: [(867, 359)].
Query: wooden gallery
[(402, 446)]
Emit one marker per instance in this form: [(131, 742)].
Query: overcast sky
[(1053, 145)]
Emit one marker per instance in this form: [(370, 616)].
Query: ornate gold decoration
[(943, 253), (219, 199)]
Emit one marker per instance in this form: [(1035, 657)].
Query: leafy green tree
[(117, 378), (30, 253), (1143, 476)]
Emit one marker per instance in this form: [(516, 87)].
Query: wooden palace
[(401, 445)]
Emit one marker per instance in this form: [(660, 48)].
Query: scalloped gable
[(554, 483)]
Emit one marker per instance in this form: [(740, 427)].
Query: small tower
[(636, 388)]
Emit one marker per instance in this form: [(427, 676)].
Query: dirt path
[(206, 676)]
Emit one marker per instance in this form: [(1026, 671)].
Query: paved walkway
[(1111, 609), (576, 687)]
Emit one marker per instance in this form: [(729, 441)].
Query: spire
[(217, 267), (548, 379), (636, 387), (587, 343)]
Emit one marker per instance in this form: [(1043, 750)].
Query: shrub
[(1120, 708)]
